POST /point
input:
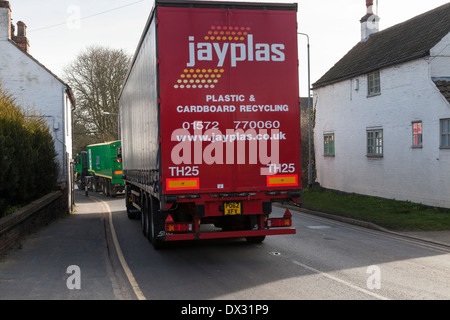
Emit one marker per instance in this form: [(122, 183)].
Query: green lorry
[(102, 164), (81, 169)]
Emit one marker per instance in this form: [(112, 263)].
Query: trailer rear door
[(229, 103)]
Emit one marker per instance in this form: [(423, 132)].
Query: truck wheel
[(113, 190), (105, 187), (148, 219), (108, 188), (257, 239), (144, 215)]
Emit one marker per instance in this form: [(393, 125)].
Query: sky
[(58, 30)]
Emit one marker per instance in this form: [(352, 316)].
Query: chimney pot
[(369, 5), (21, 38), (21, 29)]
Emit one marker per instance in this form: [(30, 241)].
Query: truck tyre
[(148, 223), (144, 214), (113, 190), (108, 188), (157, 226)]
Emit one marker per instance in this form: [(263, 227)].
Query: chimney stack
[(5, 20), (21, 38), (7, 30), (370, 22)]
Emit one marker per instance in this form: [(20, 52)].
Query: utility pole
[(309, 112)]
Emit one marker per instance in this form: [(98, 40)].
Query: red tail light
[(286, 221), (172, 226)]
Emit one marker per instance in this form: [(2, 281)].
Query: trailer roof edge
[(227, 4)]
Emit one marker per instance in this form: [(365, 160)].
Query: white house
[(33, 85), (383, 112)]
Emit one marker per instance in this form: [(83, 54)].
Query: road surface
[(325, 259)]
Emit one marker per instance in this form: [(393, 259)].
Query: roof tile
[(403, 42)]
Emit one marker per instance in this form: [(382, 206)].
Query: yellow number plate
[(232, 208)]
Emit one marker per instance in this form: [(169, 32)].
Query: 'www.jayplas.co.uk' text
[(231, 137)]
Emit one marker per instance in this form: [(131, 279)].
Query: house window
[(373, 84), (445, 133), (328, 144), (417, 134), (375, 143)]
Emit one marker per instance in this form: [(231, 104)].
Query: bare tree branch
[(96, 76)]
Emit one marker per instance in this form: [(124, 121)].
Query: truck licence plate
[(232, 208)]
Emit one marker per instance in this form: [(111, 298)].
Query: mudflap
[(158, 217)]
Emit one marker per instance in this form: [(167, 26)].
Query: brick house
[(33, 85), (383, 112)]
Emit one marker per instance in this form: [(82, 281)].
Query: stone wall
[(31, 218)]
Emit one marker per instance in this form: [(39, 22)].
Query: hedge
[(28, 166)]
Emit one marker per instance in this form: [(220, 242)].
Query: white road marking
[(123, 262), (348, 284)]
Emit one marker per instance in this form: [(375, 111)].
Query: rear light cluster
[(286, 221), (172, 226)]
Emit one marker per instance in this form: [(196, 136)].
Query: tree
[(304, 146), (96, 76), (28, 166)]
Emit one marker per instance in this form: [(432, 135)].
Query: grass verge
[(390, 214)]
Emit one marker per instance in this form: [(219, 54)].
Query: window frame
[(415, 142), (442, 133), (373, 150), (326, 147), (373, 84)]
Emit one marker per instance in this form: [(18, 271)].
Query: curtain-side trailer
[(210, 121)]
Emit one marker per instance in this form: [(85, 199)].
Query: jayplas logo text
[(220, 44)]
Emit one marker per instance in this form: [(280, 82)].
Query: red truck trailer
[(210, 121)]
